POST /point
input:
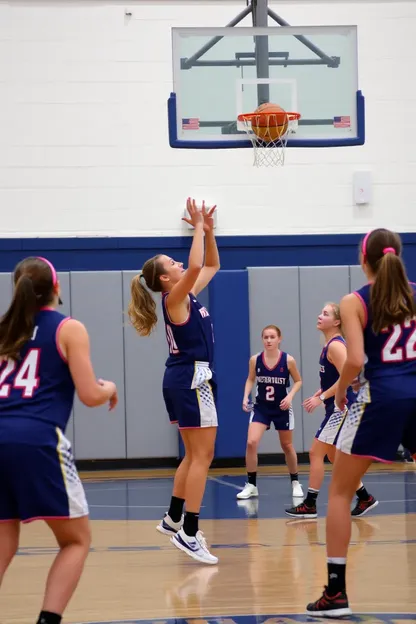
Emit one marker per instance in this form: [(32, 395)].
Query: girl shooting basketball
[(271, 371), (380, 328), (189, 383), (44, 357), (332, 360)]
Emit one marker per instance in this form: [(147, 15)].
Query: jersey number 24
[(26, 378)]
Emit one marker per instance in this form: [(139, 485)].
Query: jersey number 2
[(269, 393), (26, 378), (392, 353)]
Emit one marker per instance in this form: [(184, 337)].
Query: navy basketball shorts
[(330, 425), (40, 482), (377, 423), (192, 408), (283, 420)]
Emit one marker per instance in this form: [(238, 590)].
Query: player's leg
[(46, 486), (259, 423), (74, 539), (347, 471), (9, 543), (367, 433), (173, 518), (9, 512), (284, 423), (317, 454), (409, 436), (189, 538), (198, 424)]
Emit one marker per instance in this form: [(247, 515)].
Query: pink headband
[(52, 268), (364, 245), (386, 250)]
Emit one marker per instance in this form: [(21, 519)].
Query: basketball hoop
[(268, 132)]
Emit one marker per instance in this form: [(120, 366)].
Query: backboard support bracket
[(260, 11)]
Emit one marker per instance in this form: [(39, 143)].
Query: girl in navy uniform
[(380, 329), (44, 358), (331, 361), (189, 383), (271, 371)]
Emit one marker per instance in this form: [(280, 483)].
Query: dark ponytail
[(16, 326), (391, 299), (34, 287)]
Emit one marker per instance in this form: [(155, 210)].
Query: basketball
[(273, 126)]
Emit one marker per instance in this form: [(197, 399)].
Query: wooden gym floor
[(269, 565)]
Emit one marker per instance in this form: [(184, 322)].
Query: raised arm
[(179, 293), (212, 258)]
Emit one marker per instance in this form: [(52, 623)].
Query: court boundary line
[(234, 615)]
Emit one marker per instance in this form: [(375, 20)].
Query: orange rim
[(280, 116)]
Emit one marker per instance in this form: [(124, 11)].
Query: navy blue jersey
[(272, 383), (392, 352), (37, 390), (189, 343), (329, 374)]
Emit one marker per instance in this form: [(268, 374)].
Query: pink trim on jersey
[(197, 427), (383, 461), (275, 366), (47, 309), (58, 329), (165, 296), (53, 518), (173, 422), (357, 294)]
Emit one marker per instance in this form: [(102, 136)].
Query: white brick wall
[(83, 127)]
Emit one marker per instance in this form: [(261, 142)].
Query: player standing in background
[(44, 357), (271, 371), (380, 329), (331, 361), (189, 383)]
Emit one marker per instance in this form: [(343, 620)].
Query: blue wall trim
[(237, 252)]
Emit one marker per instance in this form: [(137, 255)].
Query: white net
[(268, 136)]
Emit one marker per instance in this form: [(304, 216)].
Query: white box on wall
[(362, 185)]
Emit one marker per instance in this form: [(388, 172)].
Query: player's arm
[(212, 257), (296, 377), (181, 289), (352, 315), (75, 346), (337, 354), (251, 378)]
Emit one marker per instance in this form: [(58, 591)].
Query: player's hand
[(111, 388), (208, 216), (312, 403), (195, 215), (246, 404), (341, 399), (285, 403)]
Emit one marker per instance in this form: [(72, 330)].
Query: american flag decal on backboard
[(342, 122), (190, 123)]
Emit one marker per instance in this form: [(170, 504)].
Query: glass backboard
[(219, 73)]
